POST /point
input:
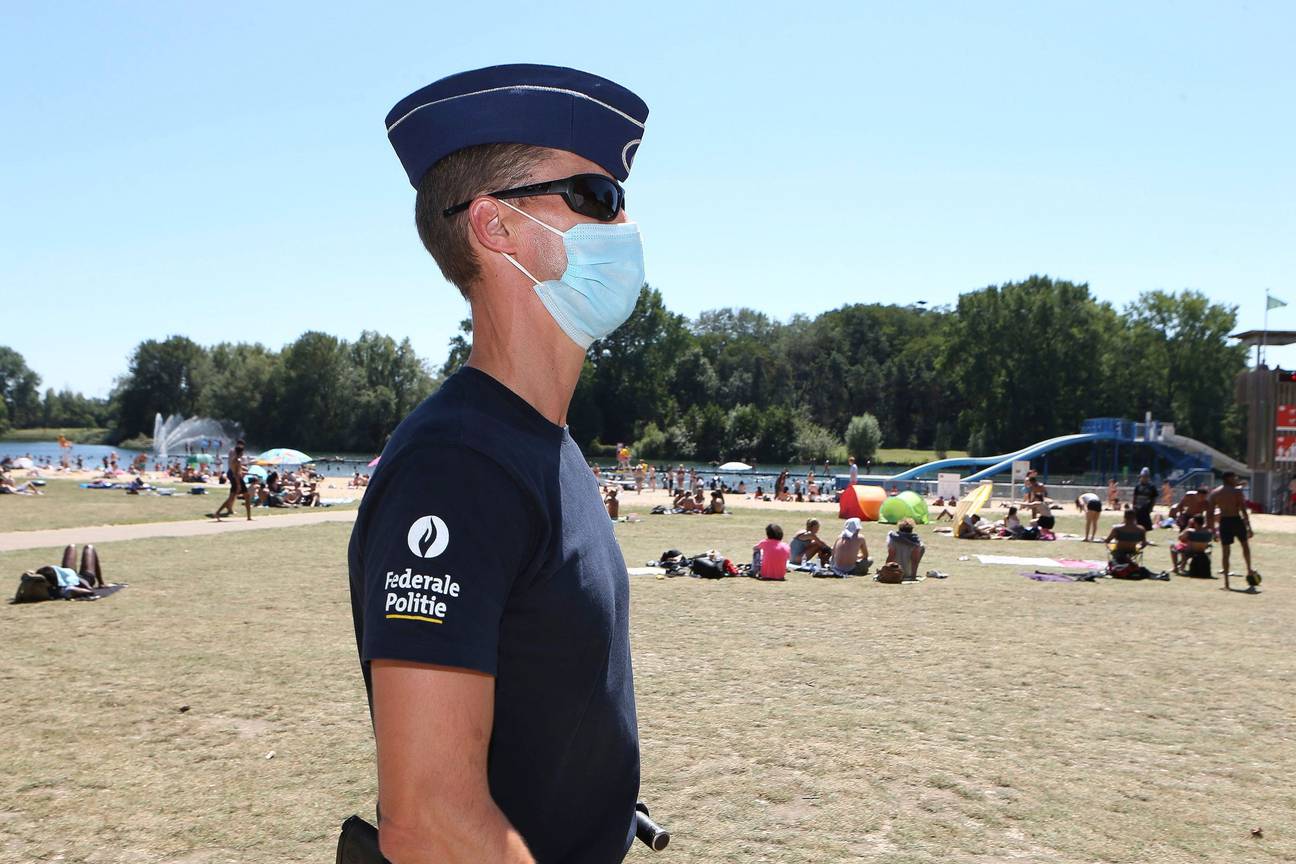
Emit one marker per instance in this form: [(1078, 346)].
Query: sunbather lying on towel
[(61, 581)]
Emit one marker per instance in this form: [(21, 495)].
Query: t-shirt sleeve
[(444, 544)]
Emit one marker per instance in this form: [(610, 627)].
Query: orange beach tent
[(861, 502)]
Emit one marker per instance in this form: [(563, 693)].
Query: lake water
[(763, 475), (93, 455)]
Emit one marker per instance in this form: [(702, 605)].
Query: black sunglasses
[(594, 195)]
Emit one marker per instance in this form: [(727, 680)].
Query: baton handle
[(649, 832)]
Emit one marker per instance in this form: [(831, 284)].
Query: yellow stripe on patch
[(418, 618)]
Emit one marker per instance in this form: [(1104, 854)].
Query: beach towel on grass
[(1054, 576)]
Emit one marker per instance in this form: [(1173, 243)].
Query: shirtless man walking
[(1234, 524), (238, 487)]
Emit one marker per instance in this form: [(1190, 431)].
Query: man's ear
[(489, 225)]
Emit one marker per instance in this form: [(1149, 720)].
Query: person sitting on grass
[(807, 544), (717, 505), (1125, 543), (850, 551), (1193, 540), (613, 505), (1193, 503), (971, 528), (684, 502), (1012, 525), (905, 548), (9, 487), (137, 486), (1126, 539), (770, 556)]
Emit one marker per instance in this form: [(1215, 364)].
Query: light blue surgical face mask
[(599, 288)]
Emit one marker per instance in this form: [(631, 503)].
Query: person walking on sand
[(1234, 523), (238, 488)]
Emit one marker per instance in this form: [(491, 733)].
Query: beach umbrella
[(22, 462), (203, 458), (375, 461), (283, 456), (734, 466), (258, 471), (971, 503)]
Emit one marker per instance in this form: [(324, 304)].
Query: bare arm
[(433, 725), (1245, 512)]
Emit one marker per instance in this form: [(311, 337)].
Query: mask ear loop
[(516, 263), (529, 216)]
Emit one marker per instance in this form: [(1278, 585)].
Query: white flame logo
[(428, 537)]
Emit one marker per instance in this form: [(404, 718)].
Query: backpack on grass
[(32, 589)]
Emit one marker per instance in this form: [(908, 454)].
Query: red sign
[(1286, 417), (1285, 448)]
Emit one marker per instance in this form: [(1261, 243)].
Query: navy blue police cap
[(522, 103)]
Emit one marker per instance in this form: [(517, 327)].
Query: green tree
[(242, 388), (815, 444), (778, 436), (316, 394), (165, 377), (863, 437), (1177, 362), (460, 348), (633, 367), (705, 428), (392, 381), (742, 434), (19, 389), (1021, 358), (652, 444), (585, 415)]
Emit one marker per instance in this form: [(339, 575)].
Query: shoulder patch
[(428, 537)]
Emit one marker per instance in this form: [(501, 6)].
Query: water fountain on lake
[(170, 435)]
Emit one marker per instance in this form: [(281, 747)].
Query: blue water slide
[(1189, 454), (1004, 463), (992, 465)]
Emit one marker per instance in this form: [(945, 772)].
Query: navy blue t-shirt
[(482, 543)]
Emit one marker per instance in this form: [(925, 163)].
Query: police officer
[(488, 592)]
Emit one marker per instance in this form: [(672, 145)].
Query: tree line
[(1007, 365)]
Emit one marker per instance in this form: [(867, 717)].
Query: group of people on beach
[(276, 489), (847, 554), (688, 487)]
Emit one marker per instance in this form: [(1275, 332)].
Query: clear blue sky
[(222, 171)]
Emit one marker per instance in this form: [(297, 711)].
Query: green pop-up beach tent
[(906, 505)]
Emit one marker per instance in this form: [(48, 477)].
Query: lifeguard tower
[(1269, 397)]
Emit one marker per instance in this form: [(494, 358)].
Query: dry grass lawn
[(983, 718)]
